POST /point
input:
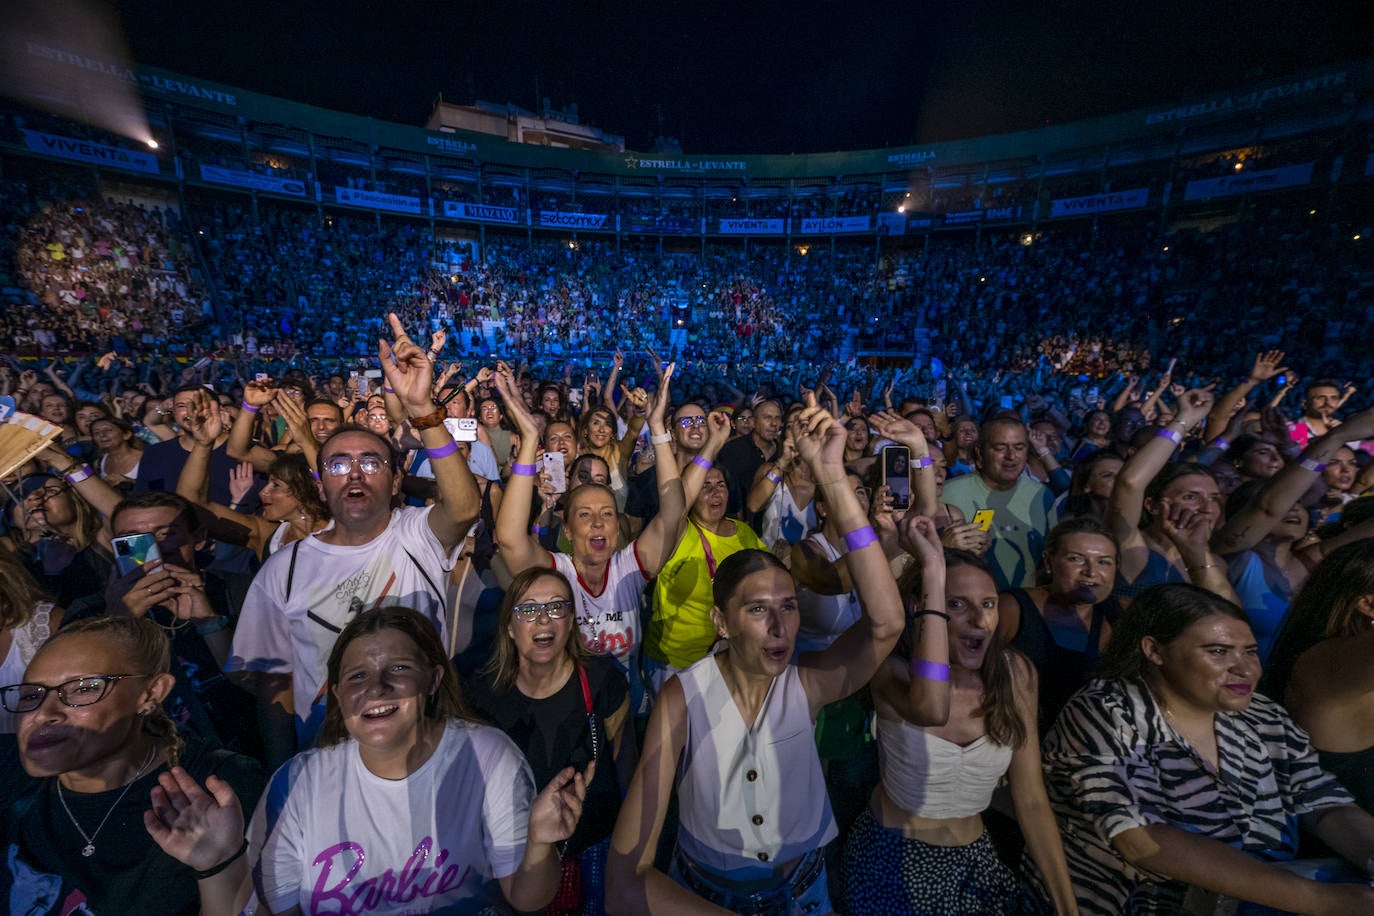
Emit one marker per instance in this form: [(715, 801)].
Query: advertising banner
[(378, 200), (213, 173), (1100, 203), (828, 225), (482, 213), (678, 225), (89, 151), (742, 226), (1290, 176), (553, 219)]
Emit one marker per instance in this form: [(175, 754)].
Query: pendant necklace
[(89, 849)]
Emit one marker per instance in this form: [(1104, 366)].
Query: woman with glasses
[(427, 809), (562, 707), (98, 816)]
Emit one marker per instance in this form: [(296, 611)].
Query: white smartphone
[(464, 429), (556, 471)]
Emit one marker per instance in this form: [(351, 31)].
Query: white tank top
[(824, 617), (932, 777), (25, 641)]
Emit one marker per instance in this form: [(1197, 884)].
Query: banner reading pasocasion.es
[(378, 200), (213, 173), (1290, 176)]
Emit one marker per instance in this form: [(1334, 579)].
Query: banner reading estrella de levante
[(482, 213), (1100, 203), (89, 151)]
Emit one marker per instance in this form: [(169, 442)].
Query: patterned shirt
[(1113, 763)]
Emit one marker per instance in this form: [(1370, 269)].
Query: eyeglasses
[(45, 493), (554, 610), (81, 691), (342, 465), (689, 422)]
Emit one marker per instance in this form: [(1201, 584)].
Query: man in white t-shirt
[(373, 556)]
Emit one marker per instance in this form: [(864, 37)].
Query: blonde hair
[(504, 663), (148, 652)]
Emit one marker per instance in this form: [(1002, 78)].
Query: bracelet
[(704, 463), (932, 613), (82, 473), (1314, 466), (540, 530), (211, 872), (443, 451), (1203, 566), (212, 626), (931, 671), (388, 390), (774, 476), (429, 420), (249, 407), (1167, 433), (524, 470), (920, 464), (860, 538), (1220, 443), (661, 439)]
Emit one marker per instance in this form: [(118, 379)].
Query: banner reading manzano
[(1100, 203), (483, 213), (87, 151), (213, 173)]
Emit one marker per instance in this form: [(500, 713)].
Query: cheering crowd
[(1072, 614)]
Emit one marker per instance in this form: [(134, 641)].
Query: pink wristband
[(860, 538), (448, 448), (523, 470), (931, 671), (704, 463), (249, 407)]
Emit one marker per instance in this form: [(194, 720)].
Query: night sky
[(750, 76)]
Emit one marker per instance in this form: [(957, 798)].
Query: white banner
[(377, 200), (88, 151), (834, 224), (742, 226), (480, 212), (213, 173), (1290, 176), (1100, 203), (555, 219)]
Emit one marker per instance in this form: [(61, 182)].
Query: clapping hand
[(198, 828)]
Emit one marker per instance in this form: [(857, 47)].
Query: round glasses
[(342, 465), (81, 691), (554, 610), (689, 422)]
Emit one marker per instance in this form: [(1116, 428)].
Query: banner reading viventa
[(89, 151)]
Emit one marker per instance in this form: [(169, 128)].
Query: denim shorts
[(804, 894)]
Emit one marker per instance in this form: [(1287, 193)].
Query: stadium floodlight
[(152, 144)]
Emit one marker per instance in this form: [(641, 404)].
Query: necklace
[(89, 849)]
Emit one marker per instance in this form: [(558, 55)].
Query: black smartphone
[(897, 475)]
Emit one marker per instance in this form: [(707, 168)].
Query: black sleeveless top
[(1062, 670)]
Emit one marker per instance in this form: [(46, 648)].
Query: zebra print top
[(1113, 763)]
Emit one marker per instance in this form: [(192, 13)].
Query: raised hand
[(658, 403), (718, 428), (203, 421), (260, 394), (1267, 365), (1195, 404), (900, 430), (515, 405), (638, 398), (198, 828), (820, 442), (556, 810), (1190, 531), (920, 537), (240, 481), (408, 372), (880, 514)]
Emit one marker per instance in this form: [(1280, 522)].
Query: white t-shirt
[(609, 619), (293, 634), (333, 837)]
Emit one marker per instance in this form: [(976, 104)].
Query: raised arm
[(296, 421), (204, 425), (922, 474), (659, 538), (849, 663), (519, 548), (256, 395), (1267, 365), (1127, 501), (411, 375), (1253, 523)]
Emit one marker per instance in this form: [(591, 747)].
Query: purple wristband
[(448, 448), (860, 538), (82, 473), (922, 463), (931, 671), (523, 470), (1221, 443), (388, 390), (1169, 434), (704, 463), (1310, 465), (249, 407), (774, 476)]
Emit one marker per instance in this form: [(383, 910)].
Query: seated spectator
[(96, 752), (563, 707), (1321, 667), (1168, 770)]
